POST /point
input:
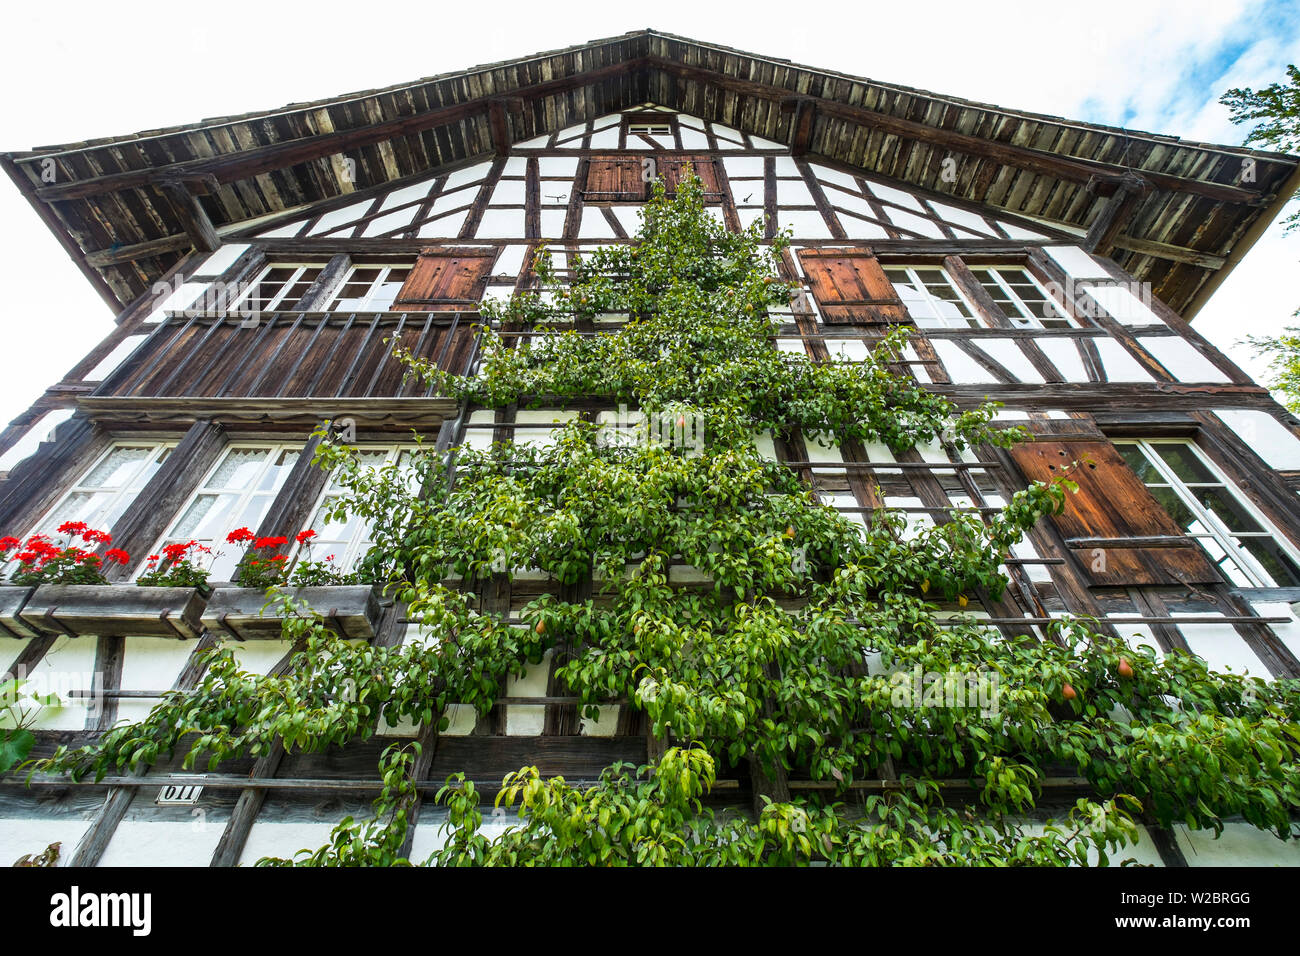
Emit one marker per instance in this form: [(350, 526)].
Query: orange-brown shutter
[(673, 169), (851, 287), (614, 179), (1111, 509), (444, 278)]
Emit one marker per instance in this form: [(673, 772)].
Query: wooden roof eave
[(784, 108)]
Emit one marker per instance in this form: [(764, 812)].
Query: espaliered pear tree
[(785, 665)]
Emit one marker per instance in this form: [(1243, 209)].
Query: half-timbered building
[(1049, 264)]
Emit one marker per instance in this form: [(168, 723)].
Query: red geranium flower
[(270, 542), (305, 536), (9, 543), (97, 537), (118, 555), (174, 552), (39, 544), (238, 535), (73, 527)]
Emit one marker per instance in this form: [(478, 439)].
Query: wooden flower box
[(12, 599), (114, 610), (243, 613)]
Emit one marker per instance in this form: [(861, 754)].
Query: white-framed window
[(278, 286), (1021, 298), (931, 298), (370, 288), (348, 541), (1238, 538), (236, 493), (109, 486)]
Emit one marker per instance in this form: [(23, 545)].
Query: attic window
[(649, 129)]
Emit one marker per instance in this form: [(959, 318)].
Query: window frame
[(385, 270), (976, 319), (277, 301), (347, 561), (1027, 319), (1224, 538), (157, 445), (276, 447)]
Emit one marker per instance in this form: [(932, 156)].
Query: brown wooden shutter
[(672, 169), (614, 179), (851, 287), (1111, 509), (442, 278), (451, 281)]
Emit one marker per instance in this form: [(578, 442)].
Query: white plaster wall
[(1288, 634), (283, 840), (961, 368), (1222, 648), (149, 663), (20, 836), (1119, 364), (1240, 845), (1063, 354), (527, 720), (1266, 436), (1184, 362), (1076, 263), (68, 665), (258, 657), (163, 842), (605, 724), (11, 650), (1007, 352), (224, 258), (1120, 302)]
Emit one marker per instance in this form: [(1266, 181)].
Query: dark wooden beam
[(193, 217), (805, 117), (116, 255), (264, 159), (499, 124), (1114, 216), (1161, 250)]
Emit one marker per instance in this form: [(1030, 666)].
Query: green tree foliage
[(789, 659), (1275, 112)]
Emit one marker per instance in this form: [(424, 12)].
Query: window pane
[(1185, 464), (238, 469), (1227, 509), (278, 471), (1181, 514), (118, 466), (1275, 561), (1137, 460)]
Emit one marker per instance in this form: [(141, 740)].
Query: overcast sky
[(75, 71)]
